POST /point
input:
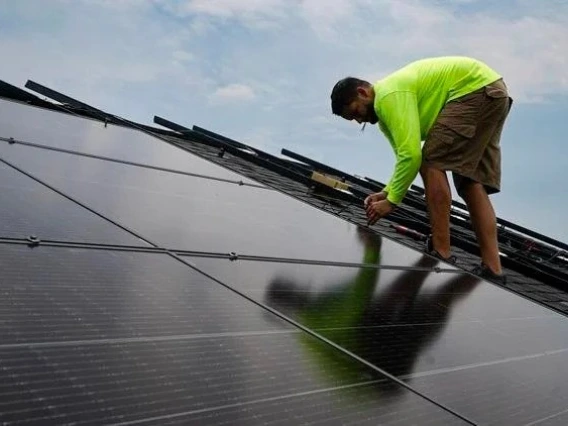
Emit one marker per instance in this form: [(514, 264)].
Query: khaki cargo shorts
[(465, 137)]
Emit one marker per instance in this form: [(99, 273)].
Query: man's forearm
[(403, 176)]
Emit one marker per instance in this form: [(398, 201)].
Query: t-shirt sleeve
[(399, 114)]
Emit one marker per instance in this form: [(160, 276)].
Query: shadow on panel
[(387, 325)]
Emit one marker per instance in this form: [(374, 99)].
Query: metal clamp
[(233, 256), (34, 241)]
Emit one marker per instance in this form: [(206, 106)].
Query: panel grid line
[(544, 419), (482, 364), (60, 344), (172, 338)]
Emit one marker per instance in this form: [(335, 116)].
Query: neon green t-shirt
[(408, 101)]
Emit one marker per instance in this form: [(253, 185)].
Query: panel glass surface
[(29, 208), (530, 390), (117, 337), (55, 129), (415, 325), (53, 294), (186, 213), (203, 381)]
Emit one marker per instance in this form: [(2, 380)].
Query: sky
[(261, 71)]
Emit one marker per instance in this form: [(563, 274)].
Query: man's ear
[(362, 92)]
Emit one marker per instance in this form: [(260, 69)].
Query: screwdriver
[(409, 232)]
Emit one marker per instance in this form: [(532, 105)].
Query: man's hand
[(378, 196), (378, 209)]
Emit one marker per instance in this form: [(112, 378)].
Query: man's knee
[(429, 172), (436, 185)]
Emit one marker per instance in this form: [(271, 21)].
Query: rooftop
[(168, 274)]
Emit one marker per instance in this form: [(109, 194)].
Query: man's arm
[(399, 113)]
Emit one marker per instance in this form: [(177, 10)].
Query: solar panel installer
[(457, 106)]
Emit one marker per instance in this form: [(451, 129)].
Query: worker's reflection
[(387, 325)]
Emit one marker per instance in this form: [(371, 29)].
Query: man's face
[(361, 109)]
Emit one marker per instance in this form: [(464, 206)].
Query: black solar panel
[(165, 289), (28, 208), (189, 213), (528, 390), (52, 129), (91, 336), (66, 294), (425, 328), (197, 381)]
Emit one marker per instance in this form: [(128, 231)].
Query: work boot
[(430, 250), (484, 272)]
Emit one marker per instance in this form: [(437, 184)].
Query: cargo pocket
[(445, 143), (461, 116), (463, 130)]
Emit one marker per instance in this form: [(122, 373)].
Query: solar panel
[(186, 213), (431, 330), (40, 126), (30, 209), (124, 338), (93, 294), (528, 390)]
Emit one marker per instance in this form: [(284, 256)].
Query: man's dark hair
[(344, 92)]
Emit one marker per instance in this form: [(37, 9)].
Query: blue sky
[(260, 71)]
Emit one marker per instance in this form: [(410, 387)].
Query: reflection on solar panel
[(155, 276)]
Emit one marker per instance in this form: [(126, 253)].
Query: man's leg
[(438, 200), (484, 223)]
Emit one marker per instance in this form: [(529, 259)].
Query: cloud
[(106, 53), (326, 17), (233, 93), (112, 4), (530, 51), (182, 56), (258, 14), (232, 7), (261, 138), (376, 36)]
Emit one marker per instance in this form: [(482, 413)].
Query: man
[(457, 106)]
